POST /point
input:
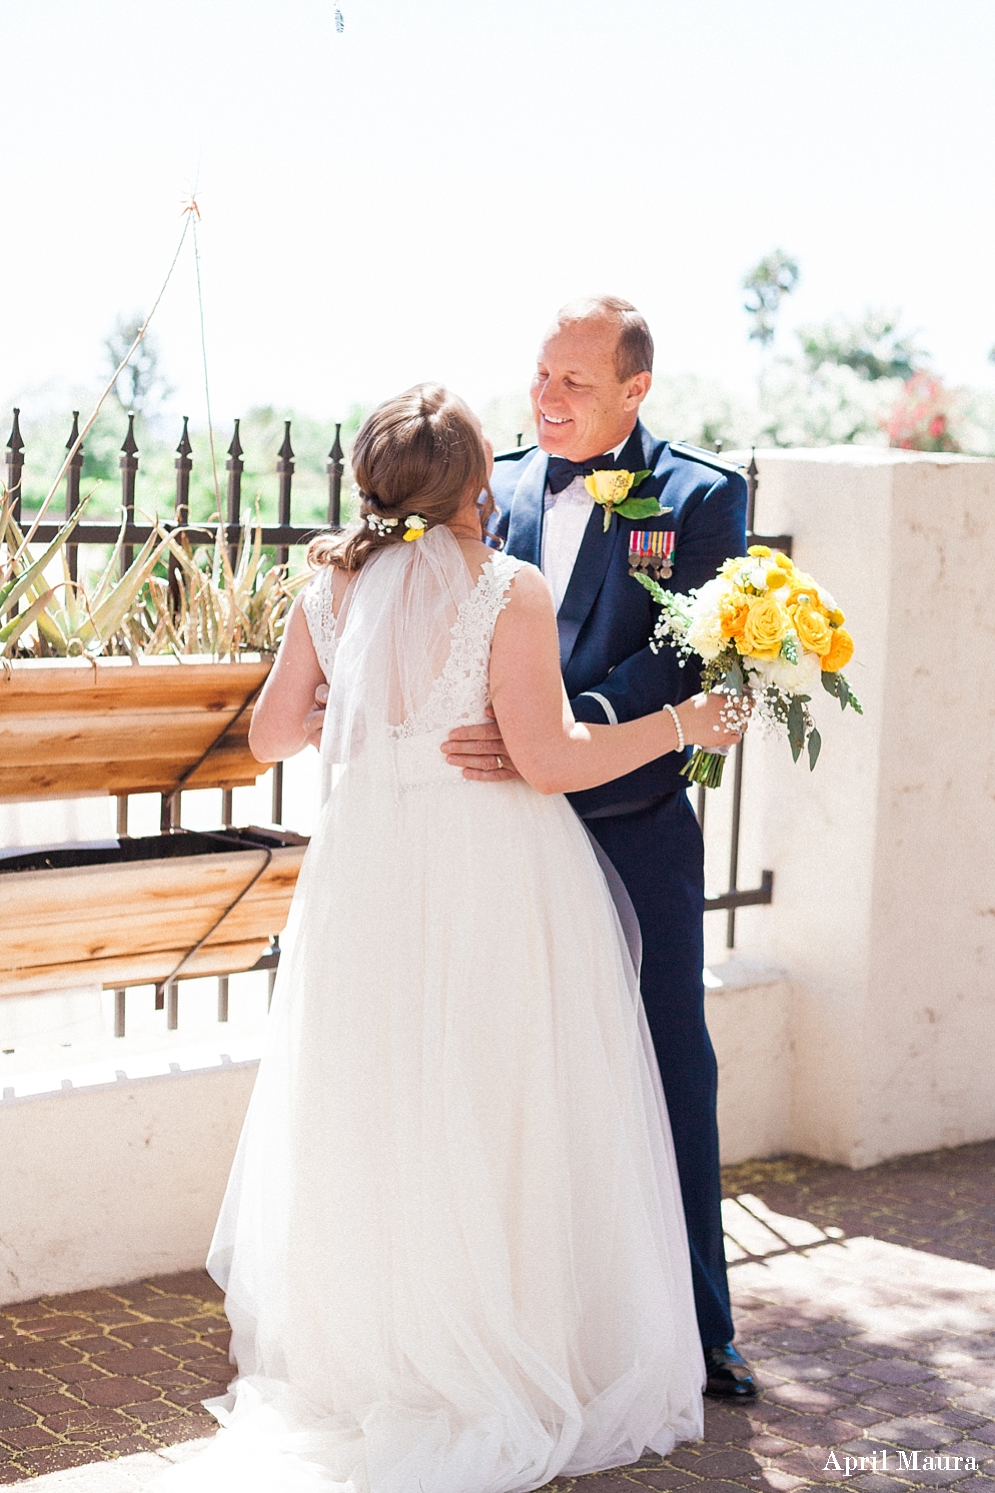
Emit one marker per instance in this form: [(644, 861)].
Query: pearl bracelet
[(677, 726)]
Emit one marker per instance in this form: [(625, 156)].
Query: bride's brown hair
[(419, 453)]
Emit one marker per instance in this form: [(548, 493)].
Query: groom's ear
[(636, 389)]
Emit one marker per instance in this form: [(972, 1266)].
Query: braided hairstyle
[(419, 453)]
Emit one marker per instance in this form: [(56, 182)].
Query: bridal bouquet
[(765, 630)]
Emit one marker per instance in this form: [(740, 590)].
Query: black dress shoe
[(729, 1377)]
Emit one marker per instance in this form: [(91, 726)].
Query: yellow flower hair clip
[(414, 526)]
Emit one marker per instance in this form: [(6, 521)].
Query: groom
[(593, 373)]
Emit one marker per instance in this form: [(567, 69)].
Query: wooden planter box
[(126, 912), (70, 727)]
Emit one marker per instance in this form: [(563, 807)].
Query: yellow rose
[(840, 651), (609, 487), (732, 614), (804, 592), (767, 622), (814, 632), (760, 550)]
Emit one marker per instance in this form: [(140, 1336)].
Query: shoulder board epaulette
[(515, 453), (704, 458)]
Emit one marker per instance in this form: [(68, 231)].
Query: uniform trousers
[(656, 848)]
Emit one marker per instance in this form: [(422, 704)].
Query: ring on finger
[(500, 765)]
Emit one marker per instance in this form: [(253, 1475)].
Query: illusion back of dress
[(407, 660)]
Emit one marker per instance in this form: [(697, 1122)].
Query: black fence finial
[(15, 443), (335, 469), (184, 448), (15, 465)]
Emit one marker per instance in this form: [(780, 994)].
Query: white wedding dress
[(452, 1241)]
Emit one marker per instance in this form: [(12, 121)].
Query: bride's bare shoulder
[(528, 593)]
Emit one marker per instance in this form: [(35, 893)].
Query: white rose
[(794, 679)]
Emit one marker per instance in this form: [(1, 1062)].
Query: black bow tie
[(560, 472)]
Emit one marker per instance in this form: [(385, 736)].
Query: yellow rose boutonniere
[(611, 490)]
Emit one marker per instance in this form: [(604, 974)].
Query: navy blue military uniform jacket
[(607, 618)]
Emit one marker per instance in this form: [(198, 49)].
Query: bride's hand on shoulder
[(707, 720)]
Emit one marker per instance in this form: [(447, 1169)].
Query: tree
[(871, 345), (766, 284), (141, 385)]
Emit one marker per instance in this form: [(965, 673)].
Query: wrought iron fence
[(284, 535)]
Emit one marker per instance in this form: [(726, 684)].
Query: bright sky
[(411, 199)]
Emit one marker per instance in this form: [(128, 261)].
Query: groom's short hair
[(634, 349)]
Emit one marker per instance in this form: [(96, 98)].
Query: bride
[(452, 1241)]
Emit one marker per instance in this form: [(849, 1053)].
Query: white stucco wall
[(884, 908), (748, 1009), (111, 1182)]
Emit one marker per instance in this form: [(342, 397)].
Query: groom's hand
[(480, 752), (315, 718)]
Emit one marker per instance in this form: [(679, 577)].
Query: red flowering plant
[(920, 419)]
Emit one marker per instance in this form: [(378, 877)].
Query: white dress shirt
[(564, 522)]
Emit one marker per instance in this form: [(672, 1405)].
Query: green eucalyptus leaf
[(796, 727), (831, 684), (814, 748), (733, 678)]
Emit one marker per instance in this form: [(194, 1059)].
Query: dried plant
[(174, 597)]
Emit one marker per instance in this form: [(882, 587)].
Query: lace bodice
[(316, 602), (460, 694)]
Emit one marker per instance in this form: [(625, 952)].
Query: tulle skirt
[(452, 1241)]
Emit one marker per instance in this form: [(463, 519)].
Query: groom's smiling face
[(581, 407)]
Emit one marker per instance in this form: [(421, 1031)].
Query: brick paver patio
[(865, 1300)]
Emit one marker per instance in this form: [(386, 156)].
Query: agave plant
[(67, 618), (174, 597), (203, 604)]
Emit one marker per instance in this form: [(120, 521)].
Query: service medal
[(652, 551)]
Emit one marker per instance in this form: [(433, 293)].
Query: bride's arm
[(277, 729), (552, 751)]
